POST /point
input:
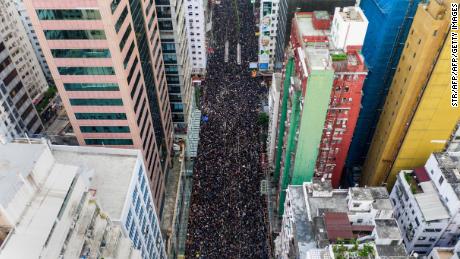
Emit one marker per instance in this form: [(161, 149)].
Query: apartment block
[(427, 203), (18, 115), (65, 202), (283, 22), (21, 51), (389, 24), (322, 95), (172, 25), (196, 35), (318, 220), (106, 61), (25, 19), (417, 118)]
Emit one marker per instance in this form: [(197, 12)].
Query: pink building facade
[(107, 64)]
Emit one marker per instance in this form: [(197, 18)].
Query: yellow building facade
[(417, 117)]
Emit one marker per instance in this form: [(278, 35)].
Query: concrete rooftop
[(100, 163)]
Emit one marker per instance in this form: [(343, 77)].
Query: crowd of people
[(227, 211)]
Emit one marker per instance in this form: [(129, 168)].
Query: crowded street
[(227, 212)]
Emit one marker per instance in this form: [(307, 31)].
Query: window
[(74, 34), (168, 47), (104, 129), (121, 19), (100, 116), (96, 102), (125, 37), (91, 86), (165, 25), (86, 70), (128, 54), (441, 180), (117, 142), (80, 53), (69, 14), (114, 5)]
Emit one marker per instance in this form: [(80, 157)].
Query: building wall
[(315, 105), (389, 24), (433, 121), (196, 35), (172, 22), (22, 54), (17, 112), (273, 107), (267, 38), (139, 217), (32, 37), (129, 86), (417, 59)]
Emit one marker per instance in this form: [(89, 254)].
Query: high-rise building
[(17, 111), (21, 52), (426, 203), (319, 219), (196, 35), (417, 117), (324, 98), (32, 37), (173, 31), (273, 111), (389, 24), (66, 202), (267, 33), (106, 61), (286, 11)]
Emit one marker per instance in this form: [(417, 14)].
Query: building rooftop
[(387, 229), (337, 226), (305, 25), (304, 230), (450, 167), (392, 251), (421, 174), (351, 14), (361, 194), (335, 203), (11, 166), (101, 164), (429, 203), (36, 224)]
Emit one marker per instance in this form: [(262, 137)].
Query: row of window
[(116, 142), (100, 116), (80, 53), (75, 34), (104, 129), (86, 70), (91, 86), (96, 102), (69, 14)]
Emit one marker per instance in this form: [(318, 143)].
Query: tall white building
[(196, 35), (267, 34), (75, 202), (21, 52), (273, 109), (317, 218), (427, 203), (32, 37), (17, 112)]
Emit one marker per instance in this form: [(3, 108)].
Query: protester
[(227, 211)]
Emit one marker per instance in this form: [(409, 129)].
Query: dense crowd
[(227, 209)]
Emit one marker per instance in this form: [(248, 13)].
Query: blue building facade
[(389, 24)]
